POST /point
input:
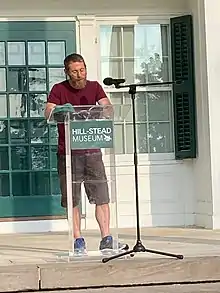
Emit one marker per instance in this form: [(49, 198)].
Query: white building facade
[(123, 40)]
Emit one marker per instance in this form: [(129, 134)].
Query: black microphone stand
[(139, 247)]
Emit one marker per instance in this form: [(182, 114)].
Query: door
[(31, 61)]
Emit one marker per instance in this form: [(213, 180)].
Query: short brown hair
[(73, 58)]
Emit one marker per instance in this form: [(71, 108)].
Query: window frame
[(143, 158)]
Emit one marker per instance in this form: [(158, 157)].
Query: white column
[(212, 28), (87, 44)]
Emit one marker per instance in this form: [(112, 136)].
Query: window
[(140, 54)]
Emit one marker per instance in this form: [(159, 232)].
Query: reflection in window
[(53, 134), (139, 53), (19, 158), (3, 132), (39, 131), (37, 104), (37, 79), (17, 80), (18, 131), (40, 158), (160, 137), (144, 52), (56, 75), (18, 105)]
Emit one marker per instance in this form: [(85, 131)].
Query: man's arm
[(104, 101), (48, 109), (52, 100)]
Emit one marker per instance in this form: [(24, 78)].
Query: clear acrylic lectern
[(90, 140)]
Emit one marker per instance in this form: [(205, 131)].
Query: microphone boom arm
[(148, 84)]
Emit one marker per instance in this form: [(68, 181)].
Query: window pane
[(2, 53), (4, 185), (3, 132), (3, 106), (20, 184), (128, 41), (142, 143), (2, 80), (37, 104), (4, 158), (39, 131), (55, 184), (56, 75), (18, 105), (119, 139), (16, 53), (141, 132), (112, 68), (20, 158), (40, 158), (116, 98), (53, 134), (56, 53), (129, 139), (36, 53), (160, 138), (144, 50), (17, 80), (37, 79), (19, 131), (40, 183), (53, 154), (159, 104), (151, 41), (141, 107), (111, 41), (129, 70)]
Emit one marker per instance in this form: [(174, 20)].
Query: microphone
[(111, 81)]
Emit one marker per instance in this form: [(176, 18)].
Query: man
[(86, 164)]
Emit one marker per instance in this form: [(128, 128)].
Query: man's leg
[(96, 187), (102, 214), (76, 189), (76, 210)]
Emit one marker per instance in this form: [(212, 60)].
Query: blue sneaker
[(107, 243), (79, 246)]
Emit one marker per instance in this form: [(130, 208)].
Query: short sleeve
[(100, 93), (54, 95)]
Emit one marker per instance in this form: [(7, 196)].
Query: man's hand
[(63, 108)]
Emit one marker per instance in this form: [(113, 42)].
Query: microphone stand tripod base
[(139, 247)]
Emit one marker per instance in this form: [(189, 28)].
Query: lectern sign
[(91, 134)]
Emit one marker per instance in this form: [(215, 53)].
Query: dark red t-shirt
[(62, 93)]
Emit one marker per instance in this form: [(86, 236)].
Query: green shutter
[(184, 105)]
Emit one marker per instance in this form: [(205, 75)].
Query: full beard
[(78, 84)]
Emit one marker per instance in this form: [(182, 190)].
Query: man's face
[(77, 74)]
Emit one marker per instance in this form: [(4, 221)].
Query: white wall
[(202, 165), (212, 27), (166, 187), (59, 8)]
